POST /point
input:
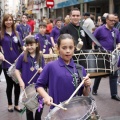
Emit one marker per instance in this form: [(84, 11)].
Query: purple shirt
[(59, 80), (24, 30), (6, 43), (24, 67), (55, 33), (45, 43), (106, 37)]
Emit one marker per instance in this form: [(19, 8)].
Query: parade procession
[(53, 56)]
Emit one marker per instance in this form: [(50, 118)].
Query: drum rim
[(92, 106)]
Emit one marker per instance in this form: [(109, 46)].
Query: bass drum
[(96, 62)]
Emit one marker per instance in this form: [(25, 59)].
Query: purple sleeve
[(30, 30), (49, 44), (19, 62), (52, 33), (20, 39), (17, 28), (43, 79), (96, 33)]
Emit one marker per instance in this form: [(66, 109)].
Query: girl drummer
[(57, 75), (11, 43), (29, 63)]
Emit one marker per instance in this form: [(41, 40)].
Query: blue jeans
[(112, 81)]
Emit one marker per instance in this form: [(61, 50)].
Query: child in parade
[(24, 28), (29, 63), (61, 76), (55, 33), (11, 43), (45, 44)]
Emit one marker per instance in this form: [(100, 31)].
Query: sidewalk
[(108, 109)]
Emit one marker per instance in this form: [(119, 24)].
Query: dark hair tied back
[(64, 36)]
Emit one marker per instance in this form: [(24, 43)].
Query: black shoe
[(94, 92), (10, 110), (17, 109), (116, 97)]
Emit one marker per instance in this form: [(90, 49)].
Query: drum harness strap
[(79, 70), (114, 39)]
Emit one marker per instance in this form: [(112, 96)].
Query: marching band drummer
[(109, 38), (61, 76), (45, 44), (11, 43), (28, 64)]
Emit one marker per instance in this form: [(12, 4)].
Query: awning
[(28, 12)]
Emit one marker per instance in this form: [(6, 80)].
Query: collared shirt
[(24, 30), (89, 24), (45, 43), (7, 42), (59, 80), (106, 37), (25, 68), (55, 33)]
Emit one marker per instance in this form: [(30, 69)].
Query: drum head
[(78, 108), (30, 93)]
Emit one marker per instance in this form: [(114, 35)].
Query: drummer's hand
[(1, 56), (24, 48), (87, 81), (22, 85), (40, 70), (48, 100)]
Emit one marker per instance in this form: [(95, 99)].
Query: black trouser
[(29, 114), (10, 84), (0, 70), (112, 82)]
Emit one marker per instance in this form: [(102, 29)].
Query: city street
[(108, 109)]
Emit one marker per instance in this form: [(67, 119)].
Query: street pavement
[(107, 108)]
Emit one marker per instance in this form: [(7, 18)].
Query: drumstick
[(19, 56), (115, 49), (58, 106), (67, 102), (7, 62), (25, 93), (32, 77)]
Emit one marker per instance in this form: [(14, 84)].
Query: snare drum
[(55, 50), (96, 62), (79, 108), (11, 73), (30, 100), (50, 57)]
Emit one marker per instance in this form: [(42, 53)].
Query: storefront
[(117, 7)]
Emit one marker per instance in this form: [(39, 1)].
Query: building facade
[(62, 7), (96, 7)]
